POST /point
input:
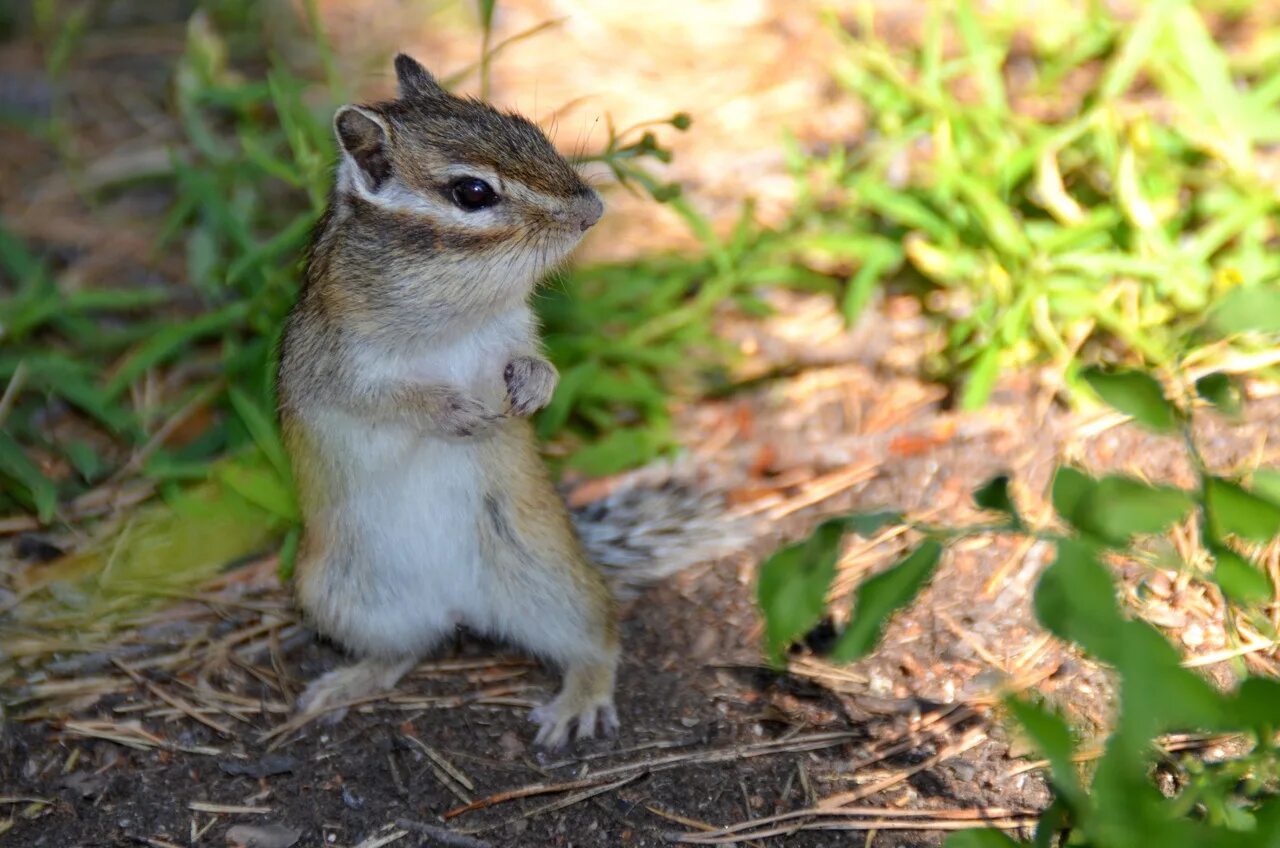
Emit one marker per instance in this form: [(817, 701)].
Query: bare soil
[(711, 736)]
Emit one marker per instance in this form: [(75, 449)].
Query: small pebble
[(352, 800)]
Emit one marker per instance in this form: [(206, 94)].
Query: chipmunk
[(408, 371)]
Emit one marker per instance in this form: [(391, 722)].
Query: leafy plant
[(1053, 217), (1228, 802)]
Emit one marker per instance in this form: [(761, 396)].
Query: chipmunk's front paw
[(462, 415), (531, 381)]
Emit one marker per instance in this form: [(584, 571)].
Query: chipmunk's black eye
[(472, 194)]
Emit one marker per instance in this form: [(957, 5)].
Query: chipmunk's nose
[(588, 208)]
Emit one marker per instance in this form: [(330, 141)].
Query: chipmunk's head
[(460, 194)]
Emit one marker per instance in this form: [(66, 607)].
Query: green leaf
[(1075, 599), (80, 392), (262, 428), (1070, 487), (792, 590), (1115, 508), (994, 495), (623, 448), (18, 467), (286, 242), (1265, 482), (1157, 693), (1120, 507), (1136, 394), (878, 261), (882, 595), (289, 554), (1055, 819), (1239, 579), (1221, 391), (168, 341), (1052, 737), (1137, 45), (86, 461), (982, 378), (258, 483), (999, 221), (553, 419), (1257, 706), (1234, 511), (987, 54), (1248, 308), (866, 523)]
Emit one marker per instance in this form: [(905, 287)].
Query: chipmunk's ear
[(364, 138), (415, 80)]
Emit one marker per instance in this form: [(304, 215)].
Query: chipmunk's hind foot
[(585, 703), (332, 693)]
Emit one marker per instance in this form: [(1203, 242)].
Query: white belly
[(410, 511)]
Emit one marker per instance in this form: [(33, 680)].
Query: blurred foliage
[(1095, 214), (1229, 801)]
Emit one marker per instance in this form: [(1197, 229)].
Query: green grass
[(1104, 233)]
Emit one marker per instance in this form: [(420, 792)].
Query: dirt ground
[(711, 737), (180, 733)]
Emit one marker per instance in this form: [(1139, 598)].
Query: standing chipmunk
[(409, 369)]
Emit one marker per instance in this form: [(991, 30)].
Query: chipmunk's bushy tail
[(655, 523)]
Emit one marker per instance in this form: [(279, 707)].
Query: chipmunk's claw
[(531, 381), (464, 416), (556, 718)]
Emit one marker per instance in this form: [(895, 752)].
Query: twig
[(971, 739), (1012, 822), (446, 772), (811, 742), (154, 842), (228, 809), (443, 835), (103, 499), (837, 804), (23, 799), (135, 462), (567, 801), (172, 700), (523, 792), (131, 735), (384, 839), (454, 772)]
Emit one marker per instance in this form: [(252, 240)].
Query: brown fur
[(385, 279)]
